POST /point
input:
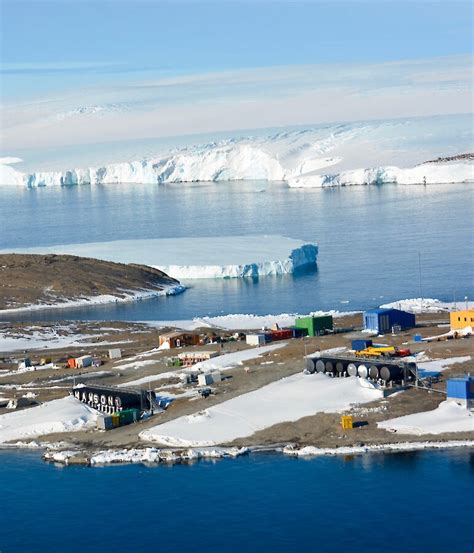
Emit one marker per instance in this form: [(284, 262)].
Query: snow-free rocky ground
[(45, 281)]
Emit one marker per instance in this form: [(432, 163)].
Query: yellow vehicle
[(386, 351)]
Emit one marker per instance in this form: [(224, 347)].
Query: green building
[(315, 325)]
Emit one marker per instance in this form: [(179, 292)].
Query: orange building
[(461, 319)]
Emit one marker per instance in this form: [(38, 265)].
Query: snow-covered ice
[(288, 399), (336, 154), (311, 451), (447, 417), (242, 321), (60, 415), (189, 258), (427, 305)]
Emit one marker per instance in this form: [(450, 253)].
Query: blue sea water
[(412, 502), (371, 239)]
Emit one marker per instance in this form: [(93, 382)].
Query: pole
[(421, 290)]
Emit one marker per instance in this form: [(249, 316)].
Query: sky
[(146, 68)]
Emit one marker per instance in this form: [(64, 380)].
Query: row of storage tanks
[(352, 367)]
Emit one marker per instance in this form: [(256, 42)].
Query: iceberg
[(203, 257), (405, 151)]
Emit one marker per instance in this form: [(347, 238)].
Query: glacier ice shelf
[(404, 151)]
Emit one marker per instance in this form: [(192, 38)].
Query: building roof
[(462, 379), (176, 334), (380, 310)]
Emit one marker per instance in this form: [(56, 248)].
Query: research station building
[(461, 319), (383, 320)]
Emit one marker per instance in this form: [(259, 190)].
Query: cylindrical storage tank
[(339, 367), (320, 366), (362, 371), (329, 367), (390, 372), (352, 369), (310, 365), (374, 372)]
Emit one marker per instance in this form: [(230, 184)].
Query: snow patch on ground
[(60, 415), (288, 399), (58, 336), (190, 258), (223, 362), (125, 297), (440, 365), (447, 417)]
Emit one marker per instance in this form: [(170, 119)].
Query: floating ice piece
[(190, 258), (311, 451)]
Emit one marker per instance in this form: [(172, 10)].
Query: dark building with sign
[(108, 399)]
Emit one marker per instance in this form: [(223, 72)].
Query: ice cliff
[(327, 155)]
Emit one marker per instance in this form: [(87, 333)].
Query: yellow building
[(461, 319)]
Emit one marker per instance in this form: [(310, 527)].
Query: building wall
[(461, 319)]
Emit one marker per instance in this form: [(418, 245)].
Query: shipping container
[(115, 353), (84, 361), (71, 363), (315, 325), (216, 376), (359, 345), (346, 422), (104, 423), (127, 416), (255, 339), (461, 391), (299, 332), (283, 334), (205, 380)]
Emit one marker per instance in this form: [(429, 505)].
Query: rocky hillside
[(54, 279)]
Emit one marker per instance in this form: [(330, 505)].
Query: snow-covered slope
[(326, 155), (288, 399), (447, 417), (189, 258), (60, 415)]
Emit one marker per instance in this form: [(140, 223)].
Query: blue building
[(461, 391), (382, 320)]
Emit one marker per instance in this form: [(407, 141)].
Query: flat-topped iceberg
[(203, 257)]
